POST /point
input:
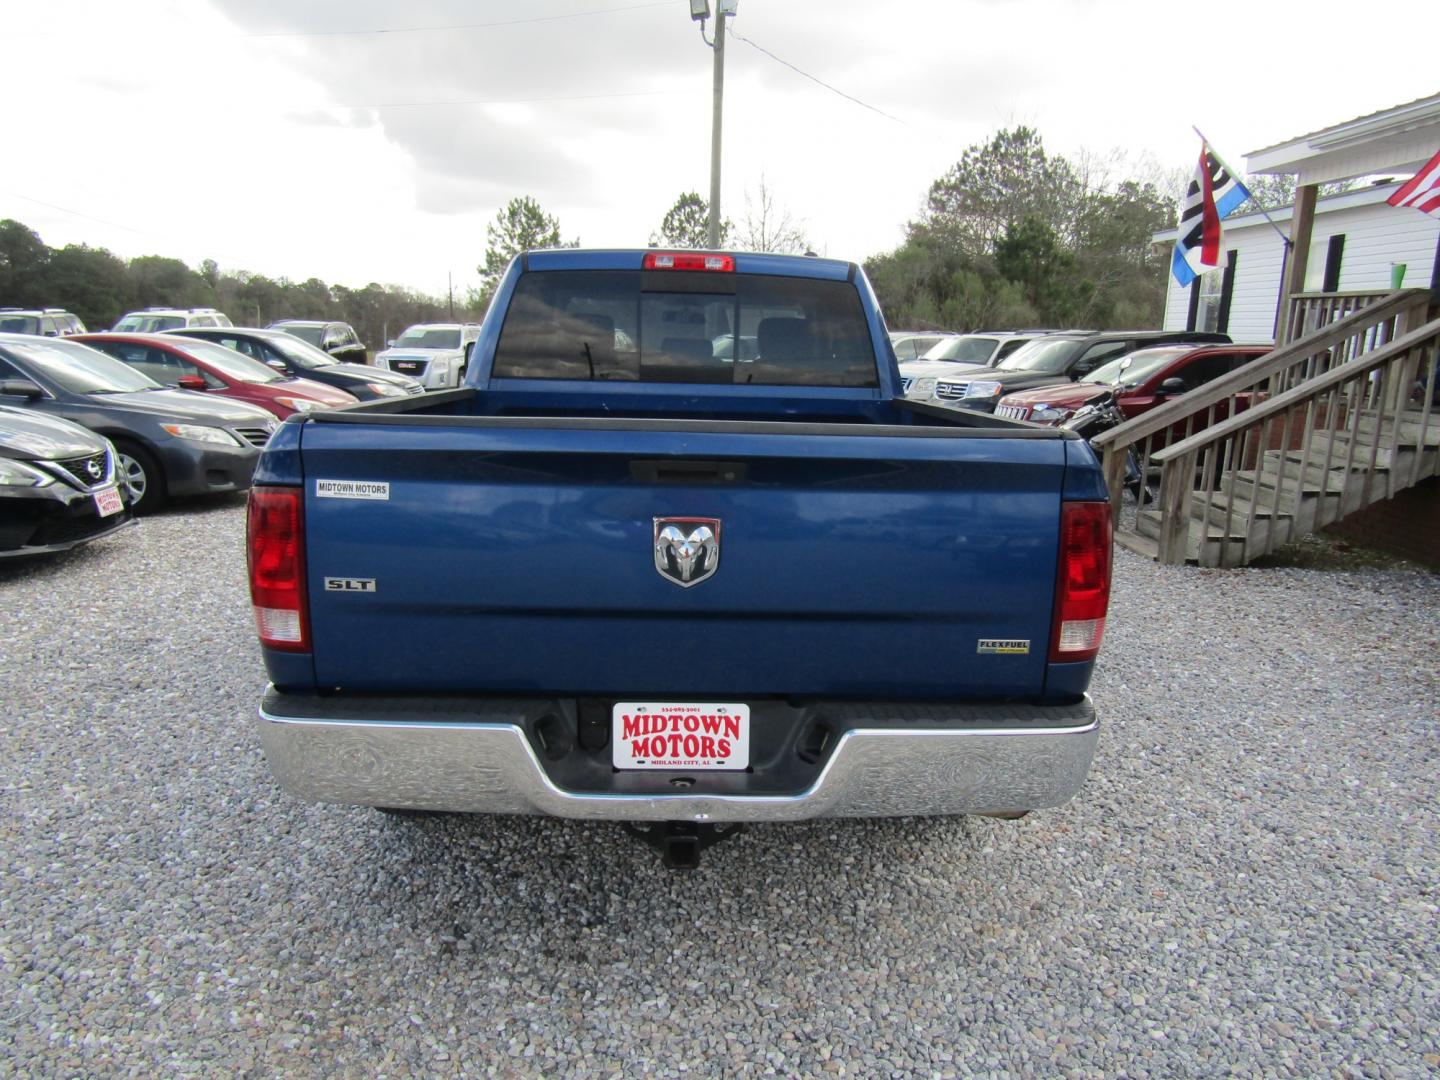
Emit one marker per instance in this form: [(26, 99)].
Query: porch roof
[(1396, 140)]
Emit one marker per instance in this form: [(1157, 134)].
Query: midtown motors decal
[(353, 489), (659, 735)]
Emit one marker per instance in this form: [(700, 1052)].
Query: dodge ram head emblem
[(687, 550)]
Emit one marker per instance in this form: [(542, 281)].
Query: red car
[(203, 365), (1141, 380)]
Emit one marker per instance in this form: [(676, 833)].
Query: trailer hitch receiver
[(680, 842)]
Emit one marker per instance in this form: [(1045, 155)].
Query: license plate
[(680, 735), (107, 501)]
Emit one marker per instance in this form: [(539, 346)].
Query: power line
[(381, 30), (458, 26), (77, 213), (933, 133), (511, 101), (169, 238), (822, 82)]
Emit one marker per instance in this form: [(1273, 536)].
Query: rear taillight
[(679, 260), (1082, 594), (275, 539)]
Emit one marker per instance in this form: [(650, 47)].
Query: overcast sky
[(372, 140)]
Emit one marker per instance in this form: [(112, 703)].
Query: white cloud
[(185, 132)]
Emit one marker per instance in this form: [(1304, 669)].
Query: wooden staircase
[(1345, 415)]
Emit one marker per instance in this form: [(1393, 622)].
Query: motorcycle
[(1102, 414)]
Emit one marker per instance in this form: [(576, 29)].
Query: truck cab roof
[(635, 259)]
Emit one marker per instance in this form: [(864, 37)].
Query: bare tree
[(767, 226)]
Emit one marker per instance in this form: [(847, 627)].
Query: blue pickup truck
[(630, 571)]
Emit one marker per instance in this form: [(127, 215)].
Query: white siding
[(1177, 305), (1258, 263), (1375, 237)]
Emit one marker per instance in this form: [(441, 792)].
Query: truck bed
[(512, 553)]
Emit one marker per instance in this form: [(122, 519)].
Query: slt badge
[(687, 550)]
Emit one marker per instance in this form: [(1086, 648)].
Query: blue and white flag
[(1213, 194)]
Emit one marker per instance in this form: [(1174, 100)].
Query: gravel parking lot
[(1248, 882)]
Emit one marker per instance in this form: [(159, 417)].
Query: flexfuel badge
[(1004, 646)]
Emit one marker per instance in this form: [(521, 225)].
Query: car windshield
[(148, 324), (966, 349), (19, 324), (300, 353), (1133, 369), (231, 363), (423, 337), (80, 369), (313, 334), (1043, 356)]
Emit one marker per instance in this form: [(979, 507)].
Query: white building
[(1356, 242)]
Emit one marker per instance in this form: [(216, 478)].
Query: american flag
[(1213, 194), (1422, 191)]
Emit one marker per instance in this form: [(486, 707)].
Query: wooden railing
[(1129, 450), (1309, 312), (1355, 434)]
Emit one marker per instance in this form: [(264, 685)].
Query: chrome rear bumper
[(448, 755)]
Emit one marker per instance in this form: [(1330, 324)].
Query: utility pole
[(716, 125), (450, 282), (700, 11)]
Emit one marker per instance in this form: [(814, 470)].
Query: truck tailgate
[(522, 560)]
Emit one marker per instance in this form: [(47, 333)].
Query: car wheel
[(142, 476)]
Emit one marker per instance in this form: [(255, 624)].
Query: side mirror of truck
[(1173, 387), (190, 382)]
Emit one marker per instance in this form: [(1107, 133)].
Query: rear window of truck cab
[(685, 327)]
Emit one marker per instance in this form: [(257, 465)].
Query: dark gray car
[(336, 338), (299, 359), (169, 442)]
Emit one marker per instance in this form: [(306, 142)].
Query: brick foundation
[(1407, 526)]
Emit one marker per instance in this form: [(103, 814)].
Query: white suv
[(47, 322), (434, 353), (154, 319)]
